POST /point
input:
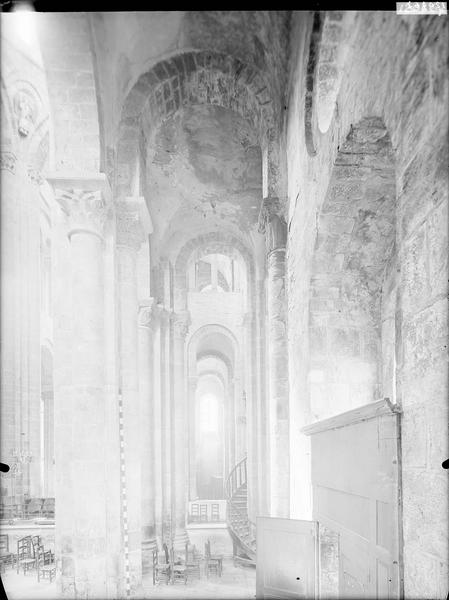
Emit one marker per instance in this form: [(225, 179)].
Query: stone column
[(31, 327), (232, 425), (236, 395), (240, 419), (85, 536), (158, 449), (147, 417), (181, 322), (273, 225), (130, 234), (251, 416), (192, 384), (226, 437), (166, 428), (262, 420)]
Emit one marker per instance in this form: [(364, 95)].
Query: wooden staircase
[(242, 530)]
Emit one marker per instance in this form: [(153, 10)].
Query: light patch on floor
[(27, 587), (235, 583)]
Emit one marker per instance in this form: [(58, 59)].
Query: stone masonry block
[(414, 281), (437, 249)]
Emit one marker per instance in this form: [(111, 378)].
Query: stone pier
[(192, 385), (131, 232), (273, 225), (147, 397), (89, 563), (181, 451)]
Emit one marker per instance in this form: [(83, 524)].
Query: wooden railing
[(241, 528), (236, 479)]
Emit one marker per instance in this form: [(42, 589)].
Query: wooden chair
[(161, 566), (26, 558), (203, 512), (6, 557), (46, 568), (195, 512), (178, 568), (215, 512), (214, 562), (8, 508), (193, 561), (34, 508), (48, 508)]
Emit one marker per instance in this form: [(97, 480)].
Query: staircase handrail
[(239, 524), (236, 478)]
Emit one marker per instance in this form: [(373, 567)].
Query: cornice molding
[(356, 415)]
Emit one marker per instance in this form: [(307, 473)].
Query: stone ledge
[(350, 417)]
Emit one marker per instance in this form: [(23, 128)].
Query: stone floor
[(235, 582), (27, 587)]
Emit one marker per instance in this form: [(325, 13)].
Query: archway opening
[(210, 436)]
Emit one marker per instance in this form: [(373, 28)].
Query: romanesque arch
[(213, 243), (191, 78), (211, 340)]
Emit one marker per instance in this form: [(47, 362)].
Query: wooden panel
[(286, 565), (354, 568), (384, 524), (383, 580), (365, 449), (355, 494), (348, 509)]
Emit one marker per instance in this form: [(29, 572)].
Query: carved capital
[(25, 108), (146, 313), (86, 210), (181, 324), (34, 176), (133, 222), (269, 208), (272, 223), (85, 200), (8, 161)]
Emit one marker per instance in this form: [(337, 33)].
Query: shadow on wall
[(352, 292)]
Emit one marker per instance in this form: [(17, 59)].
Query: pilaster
[(181, 323), (131, 231), (272, 224)]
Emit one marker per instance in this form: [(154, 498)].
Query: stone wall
[(355, 239), (258, 38), (394, 71), (217, 307), (24, 154), (65, 41)]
